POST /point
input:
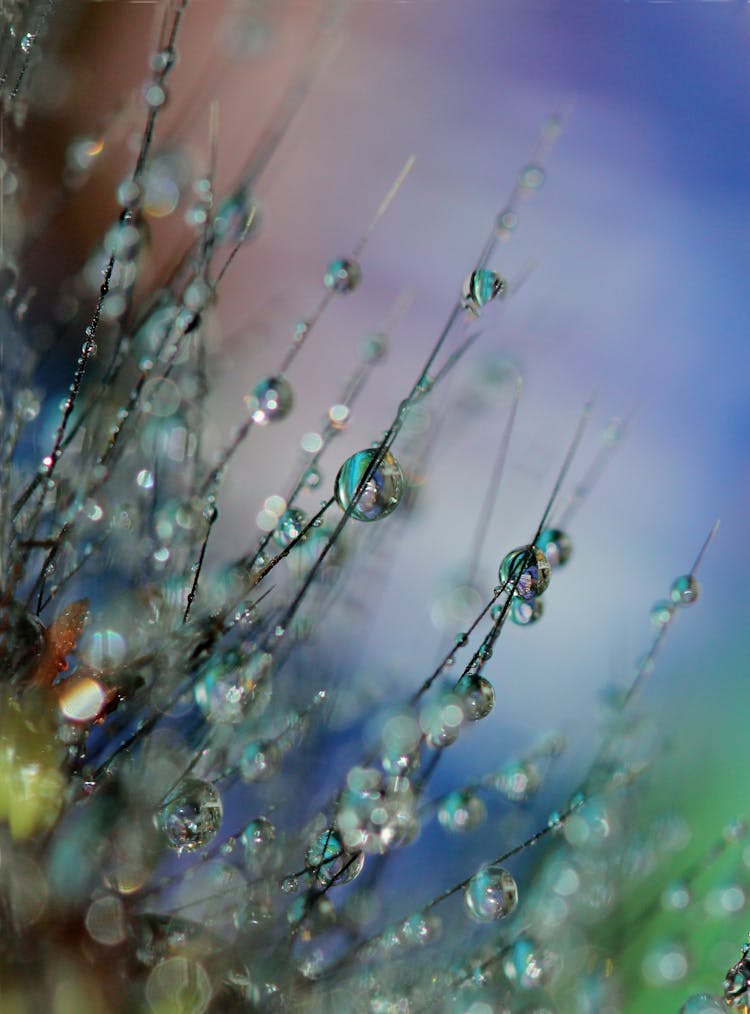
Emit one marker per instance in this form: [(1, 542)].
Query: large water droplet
[(526, 570), (491, 893), (381, 492), (480, 288), (192, 816), (327, 860)]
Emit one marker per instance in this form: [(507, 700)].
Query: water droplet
[(461, 811), (154, 95), (327, 860), (290, 526), (480, 288), (381, 492), (81, 699), (528, 965), (477, 697), (675, 897), (260, 760), (556, 546), (518, 780), (685, 590), (271, 400), (666, 963), (234, 213), (342, 275), (702, 1003), (27, 405), (421, 928), (258, 841), (526, 570), (374, 347), (289, 885), (339, 416), (525, 611), (491, 894), (192, 816), (661, 612), (162, 60), (441, 720), (82, 152), (506, 224), (27, 42), (129, 193), (376, 813), (531, 177)]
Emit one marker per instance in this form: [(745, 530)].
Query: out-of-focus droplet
[(685, 590), (702, 1003), (531, 177), (237, 215), (661, 612), (462, 810), (342, 275), (271, 400)]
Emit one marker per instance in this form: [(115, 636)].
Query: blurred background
[(634, 256)]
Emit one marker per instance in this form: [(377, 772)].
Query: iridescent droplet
[(556, 546), (491, 893), (685, 590), (480, 288), (271, 400), (524, 612), (327, 860), (380, 494), (192, 816), (528, 965), (342, 275), (526, 570)]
